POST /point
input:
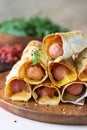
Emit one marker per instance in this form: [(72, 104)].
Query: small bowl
[(12, 40), (5, 66)]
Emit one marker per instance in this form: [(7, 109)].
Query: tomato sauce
[(10, 53)]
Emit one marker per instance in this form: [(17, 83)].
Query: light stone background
[(69, 13)]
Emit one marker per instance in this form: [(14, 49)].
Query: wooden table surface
[(69, 13)]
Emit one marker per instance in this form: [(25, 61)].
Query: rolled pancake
[(23, 69), (69, 42), (46, 93), (29, 71), (81, 65), (74, 99), (68, 78), (25, 93), (32, 46)]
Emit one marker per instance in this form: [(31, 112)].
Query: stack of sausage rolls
[(51, 71)]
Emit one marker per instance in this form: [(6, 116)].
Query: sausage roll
[(74, 92), (15, 87), (33, 73), (32, 46), (46, 93), (63, 72), (60, 46), (81, 65)]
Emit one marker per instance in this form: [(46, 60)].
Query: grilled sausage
[(35, 72), (59, 71), (55, 50), (85, 71), (17, 85), (45, 91), (75, 89)]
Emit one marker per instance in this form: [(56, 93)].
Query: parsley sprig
[(36, 57)]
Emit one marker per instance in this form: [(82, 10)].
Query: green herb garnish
[(36, 57)]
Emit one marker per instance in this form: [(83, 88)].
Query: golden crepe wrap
[(45, 99), (73, 42), (81, 65), (24, 95), (74, 99), (68, 78), (22, 72), (33, 46)]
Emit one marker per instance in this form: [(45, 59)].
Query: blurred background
[(68, 13)]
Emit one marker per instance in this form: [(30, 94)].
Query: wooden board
[(11, 39), (61, 114)]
